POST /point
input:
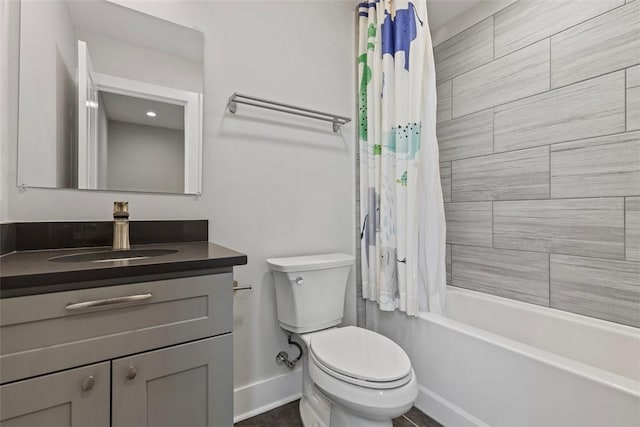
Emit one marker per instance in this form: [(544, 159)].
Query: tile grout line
[(520, 48), (551, 145), (542, 145), (536, 252), (453, 36), (551, 89), (597, 76), (544, 199), (569, 27)]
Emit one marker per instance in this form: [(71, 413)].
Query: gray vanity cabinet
[(175, 386), (165, 349), (76, 397)]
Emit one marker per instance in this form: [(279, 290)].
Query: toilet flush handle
[(299, 280)]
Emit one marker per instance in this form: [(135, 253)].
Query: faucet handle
[(120, 209)]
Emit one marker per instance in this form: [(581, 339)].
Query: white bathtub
[(494, 361)]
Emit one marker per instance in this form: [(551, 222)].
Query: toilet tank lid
[(310, 262)]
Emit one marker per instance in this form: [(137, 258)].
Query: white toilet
[(351, 376)]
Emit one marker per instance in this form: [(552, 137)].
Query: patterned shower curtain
[(401, 205)]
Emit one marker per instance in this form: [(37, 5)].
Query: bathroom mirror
[(109, 99)]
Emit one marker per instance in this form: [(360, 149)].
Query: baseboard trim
[(443, 411), (262, 396)]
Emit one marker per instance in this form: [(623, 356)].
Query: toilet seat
[(357, 381), (371, 403), (361, 357)]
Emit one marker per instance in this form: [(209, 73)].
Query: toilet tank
[(310, 290)]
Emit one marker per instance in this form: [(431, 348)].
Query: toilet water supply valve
[(283, 357)]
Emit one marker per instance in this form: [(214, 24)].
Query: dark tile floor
[(289, 416)]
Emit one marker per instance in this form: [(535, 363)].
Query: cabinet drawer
[(50, 332)]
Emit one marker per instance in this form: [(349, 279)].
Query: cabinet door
[(68, 398), (185, 385)]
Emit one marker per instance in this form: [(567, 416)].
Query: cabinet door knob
[(88, 383), (131, 373)]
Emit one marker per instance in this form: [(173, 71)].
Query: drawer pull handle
[(88, 383), (131, 373), (108, 301)]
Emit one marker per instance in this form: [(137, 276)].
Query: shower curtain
[(401, 205)]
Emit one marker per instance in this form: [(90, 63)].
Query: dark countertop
[(31, 272)]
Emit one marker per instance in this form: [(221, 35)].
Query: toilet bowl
[(367, 377), (352, 376)]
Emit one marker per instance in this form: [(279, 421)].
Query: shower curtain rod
[(237, 98)]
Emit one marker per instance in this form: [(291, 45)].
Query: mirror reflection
[(110, 99), (130, 132)]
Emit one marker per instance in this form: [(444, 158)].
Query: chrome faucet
[(120, 225)]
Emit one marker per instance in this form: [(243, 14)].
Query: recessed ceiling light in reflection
[(151, 113)]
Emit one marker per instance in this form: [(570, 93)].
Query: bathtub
[(498, 362)]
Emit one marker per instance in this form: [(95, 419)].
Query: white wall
[(273, 184), (8, 30), (142, 157)]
